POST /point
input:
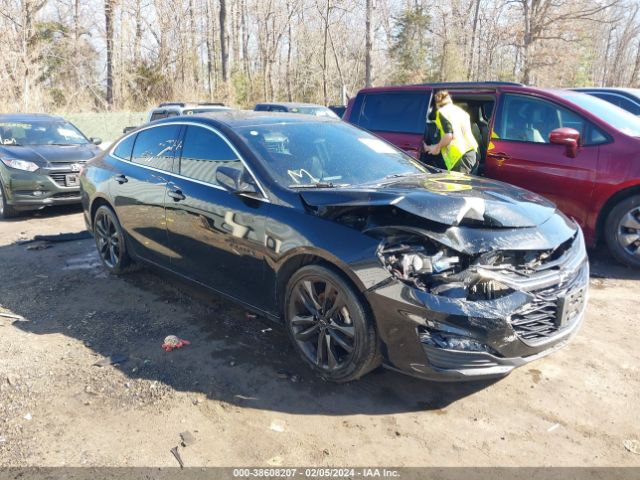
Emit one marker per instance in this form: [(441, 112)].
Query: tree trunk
[(224, 52), (108, 17), (138, 35), (368, 73), (474, 31), (289, 43), (324, 52)]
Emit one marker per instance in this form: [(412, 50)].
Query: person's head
[(442, 98)]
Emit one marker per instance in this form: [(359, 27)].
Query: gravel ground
[(240, 390)]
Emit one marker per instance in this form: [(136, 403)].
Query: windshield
[(317, 111), (616, 117), (326, 154), (40, 133)]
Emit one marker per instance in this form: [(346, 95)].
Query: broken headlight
[(434, 268), (420, 264)]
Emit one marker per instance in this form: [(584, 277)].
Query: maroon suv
[(577, 150)]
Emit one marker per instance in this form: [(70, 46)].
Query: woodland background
[(125, 55)]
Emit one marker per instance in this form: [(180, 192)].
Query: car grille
[(550, 311), (59, 178), (67, 195)]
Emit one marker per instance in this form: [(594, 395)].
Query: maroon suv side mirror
[(569, 137)]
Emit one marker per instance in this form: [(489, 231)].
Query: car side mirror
[(234, 180), (569, 137), (128, 129), (96, 140)]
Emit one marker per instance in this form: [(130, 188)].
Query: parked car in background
[(626, 98), (305, 108), (338, 109), (575, 149), (366, 255), (40, 160), (175, 109)]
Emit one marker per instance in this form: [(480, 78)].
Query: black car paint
[(246, 247)]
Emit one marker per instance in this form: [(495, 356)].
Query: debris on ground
[(265, 330), (553, 427), (18, 318), (632, 446), (39, 246), (187, 439), (3, 440), (116, 358), (28, 417), (250, 316), (232, 363), (62, 237), (171, 342), (277, 426), (174, 450), (295, 378), (282, 374)]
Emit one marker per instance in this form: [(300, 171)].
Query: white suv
[(173, 109)]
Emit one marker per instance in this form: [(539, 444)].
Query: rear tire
[(622, 231), (6, 210), (329, 325), (110, 242)]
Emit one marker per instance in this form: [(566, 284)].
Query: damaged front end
[(479, 313)]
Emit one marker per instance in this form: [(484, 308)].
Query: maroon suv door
[(520, 152), (397, 116)]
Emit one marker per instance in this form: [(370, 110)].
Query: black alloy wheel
[(329, 325), (622, 231), (110, 241)]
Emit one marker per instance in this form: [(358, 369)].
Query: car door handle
[(498, 156), (177, 195), (121, 179)]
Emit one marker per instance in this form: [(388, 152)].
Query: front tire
[(622, 231), (110, 242), (6, 210), (329, 325)]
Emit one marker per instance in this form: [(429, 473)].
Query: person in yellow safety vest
[(457, 144)]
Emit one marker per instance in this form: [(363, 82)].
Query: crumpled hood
[(447, 198), (41, 154)]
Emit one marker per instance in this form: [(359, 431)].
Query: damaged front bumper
[(440, 338)]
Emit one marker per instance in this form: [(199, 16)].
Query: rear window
[(404, 112), (619, 101)]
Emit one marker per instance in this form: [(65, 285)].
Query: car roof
[(630, 91), (292, 104), (29, 117), (249, 118)]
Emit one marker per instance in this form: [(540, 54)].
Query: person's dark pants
[(468, 163)]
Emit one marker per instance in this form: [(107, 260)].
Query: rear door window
[(203, 152), (156, 147), (403, 112), (531, 120)]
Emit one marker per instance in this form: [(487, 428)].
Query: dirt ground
[(242, 393)]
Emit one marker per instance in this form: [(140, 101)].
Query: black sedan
[(40, 160), (368, 257)]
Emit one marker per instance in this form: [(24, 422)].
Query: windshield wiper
[(318, 185), (64, 144), (407, 174)]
